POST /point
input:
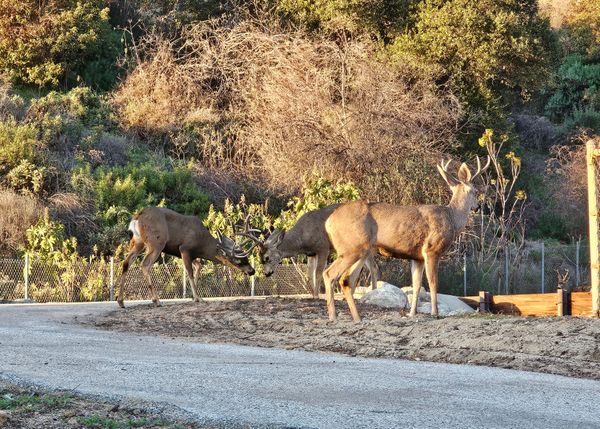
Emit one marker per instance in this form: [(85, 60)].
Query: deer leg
[(431, 269), (187, 263), (329, 293), (134, 250), (416, 269), (312, 272), (371, 264), (348, 286), (150, 259), (354, 275), (332, 275), (320, 262)]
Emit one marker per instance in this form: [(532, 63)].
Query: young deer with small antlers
[(163, 230), (419, 233), (307, 237)]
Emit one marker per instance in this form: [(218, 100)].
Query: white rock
[(453, 304), (423, 294), (386, 295), (448, 305)]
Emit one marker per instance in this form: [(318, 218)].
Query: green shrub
[(575, 99), (317, 192), (58, 41), (18, 142), (490, 50), (384, 18), (26, 178)]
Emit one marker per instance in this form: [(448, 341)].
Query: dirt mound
[(565, 346)]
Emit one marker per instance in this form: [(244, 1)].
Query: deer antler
[(249, 232), (562, 279), (479, 169), (450, 179)]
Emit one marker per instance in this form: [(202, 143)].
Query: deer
[(307, 237), (158, 230), (421, 234)]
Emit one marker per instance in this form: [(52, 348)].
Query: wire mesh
[(12, 283), (91, 280)]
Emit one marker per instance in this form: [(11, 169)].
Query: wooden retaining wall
[(560, 303)]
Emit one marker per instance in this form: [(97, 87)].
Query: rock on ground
[(386, 295)]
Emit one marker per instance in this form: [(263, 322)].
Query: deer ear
[(464, 174)]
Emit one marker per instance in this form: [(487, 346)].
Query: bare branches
[(277, 104)]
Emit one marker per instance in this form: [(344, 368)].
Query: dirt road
[(238, 386)]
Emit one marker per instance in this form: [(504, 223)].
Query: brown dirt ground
[(567, 346)]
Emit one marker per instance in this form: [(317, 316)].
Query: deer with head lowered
[(420, 233), (162, 230), (307, 237)]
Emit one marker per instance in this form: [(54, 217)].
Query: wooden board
[(581, 303), (536, 304), (471, 301)]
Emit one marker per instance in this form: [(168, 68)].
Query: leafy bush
[(58, 41), (62, 273), (118, 192), (18, 142), (12, 106), (576, 97), (26, 178), (580, 32), (488, 49), (384, 18), (317, 192), (133, 187)]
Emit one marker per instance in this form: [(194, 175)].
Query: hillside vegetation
[(277, 107)]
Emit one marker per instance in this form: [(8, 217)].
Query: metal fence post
[(26, 276), (184, 289), (543, 268), (112, 279), (506, 270), (252, 282), (465, 274), (577, 247)]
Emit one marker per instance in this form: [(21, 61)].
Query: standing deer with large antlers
[(307, 237), (163, 230), (419, 233)]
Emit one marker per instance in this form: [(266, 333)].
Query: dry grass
[(76, 214), (276, 104), (17, 214)]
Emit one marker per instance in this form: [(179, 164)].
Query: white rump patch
[(134, 228)]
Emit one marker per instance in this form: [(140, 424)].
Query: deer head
[(464, 193), (232, 254), (270, 255)]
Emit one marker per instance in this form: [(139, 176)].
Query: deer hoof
[(121, 304), (198, 300), (157, 303)]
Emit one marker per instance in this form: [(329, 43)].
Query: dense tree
[(46, 43), (490, 50), (581, 29), (384, 18)]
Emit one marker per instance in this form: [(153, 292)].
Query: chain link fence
[(94, 280), (540, 269)]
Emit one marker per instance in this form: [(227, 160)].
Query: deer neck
[(291, 245), (459, 211)]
